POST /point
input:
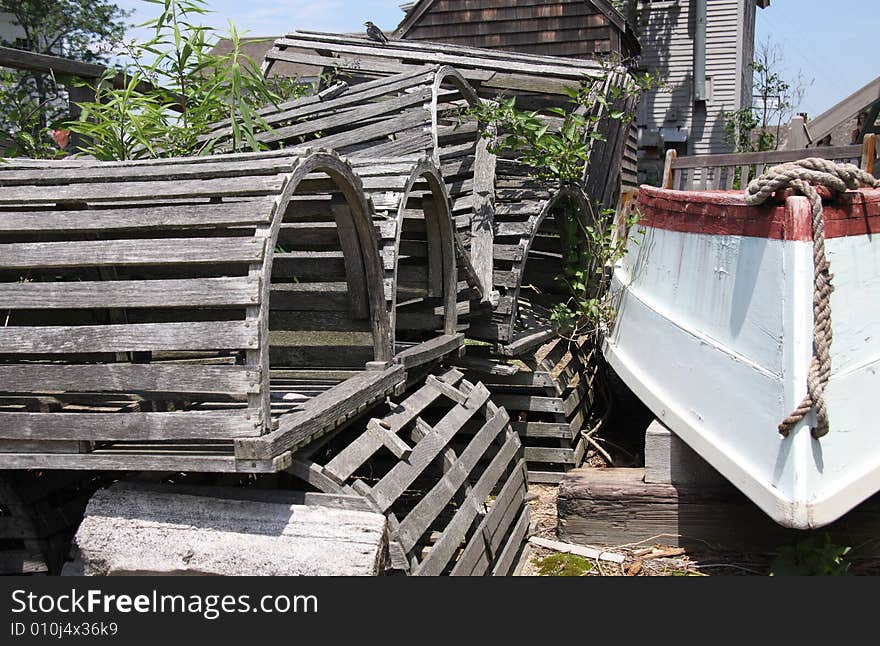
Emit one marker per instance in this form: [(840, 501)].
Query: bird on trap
[(374, 33)]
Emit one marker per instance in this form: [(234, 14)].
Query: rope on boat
[(803, 176)]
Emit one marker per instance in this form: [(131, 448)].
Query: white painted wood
[(714, 334)]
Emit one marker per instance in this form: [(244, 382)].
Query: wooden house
[(571, 28), (702, 52)]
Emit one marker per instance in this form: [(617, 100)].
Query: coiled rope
[(803, 176)]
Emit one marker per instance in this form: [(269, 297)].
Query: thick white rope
[(803, 176)]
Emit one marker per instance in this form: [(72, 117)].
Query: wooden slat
[(432, 503), (347, 461), (455, 532), (197, 292), (476, 556), (348, 119), (160, 190), (98, 253), (188, 425), (123, 462), (436, 348), (402, 474), (129, 338), (322, 412), (256, 211), (128, 378), (62, 175), (768, 157)]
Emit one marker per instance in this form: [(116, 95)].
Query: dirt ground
[(649, 558), (653, 559)]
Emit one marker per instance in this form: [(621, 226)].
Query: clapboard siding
[(668, 48)]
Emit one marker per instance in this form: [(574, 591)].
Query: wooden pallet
[(445, 467), (548, 395)]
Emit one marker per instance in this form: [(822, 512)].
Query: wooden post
[(483, 223), (797, 134), (869, 153), (667, 168)]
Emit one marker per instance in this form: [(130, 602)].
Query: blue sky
[(834, 44)]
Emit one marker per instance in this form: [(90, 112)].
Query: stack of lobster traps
[(363, 308)]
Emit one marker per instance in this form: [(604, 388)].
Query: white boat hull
[(714, 333)]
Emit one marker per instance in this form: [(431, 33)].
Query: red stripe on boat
[(853, 213)]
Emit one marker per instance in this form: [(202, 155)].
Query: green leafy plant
[(812, 556), (171, 106), (555, 145)]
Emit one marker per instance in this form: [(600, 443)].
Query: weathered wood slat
[(255, 211), (432, 503), (475, 554), (121, 462), (188, 293), (98, 253), (128, 378), (347, 461), (61, 175), (129, 338), (363, 113), (444, 549), (436, 348), (322, 412), (402, 474), (183, 425), (117, 192)]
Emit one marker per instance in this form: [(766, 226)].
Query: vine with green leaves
[(555, 145)]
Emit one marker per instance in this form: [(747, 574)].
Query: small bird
[(374, 33)]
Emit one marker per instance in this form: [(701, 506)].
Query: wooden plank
[(189, 293), (347, 461), (403, 474), (492, 525), (119, 462), (608, 507), (255, 211), (36, 377), (128, 338), (455, 532), (542, 429), (61, 174), (182, 425), (162, 190), (348, 119), (420, 518), (432, 350), (529, 403), (163, 531), (483, 222), (411, 119), (321, 412), (549, 454), (767, 157), (101, 253), (506, 560)]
